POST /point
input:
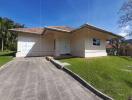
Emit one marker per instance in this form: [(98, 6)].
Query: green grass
[(7, 53), (6, 57), (112, 75)]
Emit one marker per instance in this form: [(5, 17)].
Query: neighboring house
[(124, 50), (85, 41), (127, 49)]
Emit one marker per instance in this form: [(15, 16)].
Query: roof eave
[(98, 29), (55, 29), (25, 31)]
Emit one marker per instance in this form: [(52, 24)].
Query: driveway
[(37, 79)]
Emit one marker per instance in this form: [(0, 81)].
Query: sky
[(40, 13)]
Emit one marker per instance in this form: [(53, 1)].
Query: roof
[(98, 29), (108, 46), (41, 30), (29, 30), (60, 28)]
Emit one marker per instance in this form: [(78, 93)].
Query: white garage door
[(28, 46), (35, 45)]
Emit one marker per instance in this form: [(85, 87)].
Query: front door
[(64, 46)]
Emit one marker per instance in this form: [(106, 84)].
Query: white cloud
[(124, 31)]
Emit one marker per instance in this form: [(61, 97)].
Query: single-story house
[(85, 41), (127, 48)]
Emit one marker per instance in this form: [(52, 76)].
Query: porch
[(60, 42)]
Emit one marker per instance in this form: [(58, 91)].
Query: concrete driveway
[(37, 79)]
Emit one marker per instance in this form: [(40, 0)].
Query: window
[(96, 42)]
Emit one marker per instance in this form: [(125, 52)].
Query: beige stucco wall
[(62, 45), (82, 43), (93, 50), (34, 45), (77, 43)]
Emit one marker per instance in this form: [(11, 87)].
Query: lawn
[(6, 57), (112, 75)]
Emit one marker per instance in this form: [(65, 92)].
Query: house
[(126, 50), (85, 41)]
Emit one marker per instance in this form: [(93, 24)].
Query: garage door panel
[(34, 46)]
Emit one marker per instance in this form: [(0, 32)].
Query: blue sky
[(39, 13)]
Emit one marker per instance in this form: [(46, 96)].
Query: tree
[(126, 15), (2, 31), (8, 39), (116, 44)]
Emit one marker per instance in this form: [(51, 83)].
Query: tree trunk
[(2, 44)]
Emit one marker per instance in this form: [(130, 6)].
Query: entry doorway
[(64, 46)]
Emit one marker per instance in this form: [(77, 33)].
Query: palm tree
[(2, 32), (8, 39)]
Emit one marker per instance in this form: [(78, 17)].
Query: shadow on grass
[(129, 83), (61, 58), (12, 53), (64, 57), (128, 58)]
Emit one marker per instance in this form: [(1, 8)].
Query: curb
[(86, 84), (55, 62), (79, 79)]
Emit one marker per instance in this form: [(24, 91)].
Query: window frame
[(96, 42)]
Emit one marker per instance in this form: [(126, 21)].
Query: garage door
[(34, 45), (29, 46), (26, 47)]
